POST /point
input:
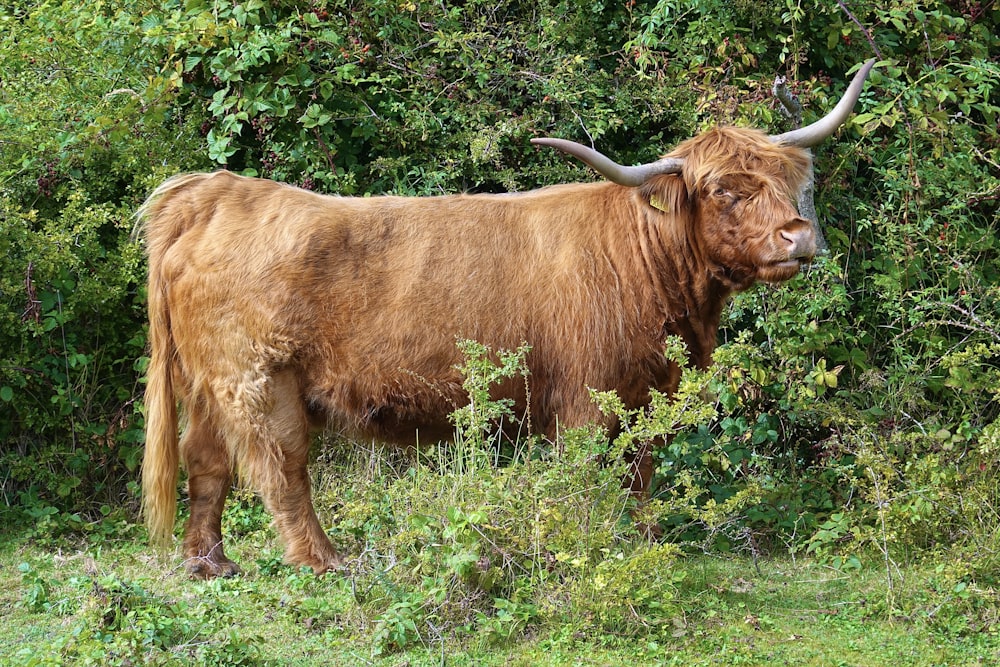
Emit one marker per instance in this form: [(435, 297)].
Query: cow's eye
[(720, 192)]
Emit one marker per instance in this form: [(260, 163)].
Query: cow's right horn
[(608, 168), (815, 133)]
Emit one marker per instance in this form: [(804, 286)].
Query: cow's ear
[(667, 193)]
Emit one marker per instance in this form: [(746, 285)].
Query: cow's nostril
[(799, 241), (791, 238)]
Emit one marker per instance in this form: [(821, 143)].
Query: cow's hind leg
[(209, 480), (288, 496)]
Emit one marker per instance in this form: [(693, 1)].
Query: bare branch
[(790, 104), (792, 108), (863, 29)]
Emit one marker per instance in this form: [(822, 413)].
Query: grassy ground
[(109, 601)]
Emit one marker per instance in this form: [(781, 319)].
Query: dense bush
[(471, 539), (411, 98), (853, 407), (82, 139)]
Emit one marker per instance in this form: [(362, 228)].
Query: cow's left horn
[(826, 126), (608, 168)]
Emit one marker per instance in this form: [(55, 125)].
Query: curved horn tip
[(823, 128), (564, 145), (865, 68)]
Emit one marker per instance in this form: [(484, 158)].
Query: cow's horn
[(632, 176), (826, 126), (608, 168)]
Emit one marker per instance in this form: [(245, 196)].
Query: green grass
[(115, 602)]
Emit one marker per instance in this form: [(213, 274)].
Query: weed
[(37, 589)]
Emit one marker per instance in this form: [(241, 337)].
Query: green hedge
[(890, 346)]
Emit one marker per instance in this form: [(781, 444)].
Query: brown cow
[(274, 310)]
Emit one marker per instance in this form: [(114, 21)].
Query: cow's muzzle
[(797, 240)]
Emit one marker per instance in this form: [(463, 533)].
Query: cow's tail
[(159, 224)]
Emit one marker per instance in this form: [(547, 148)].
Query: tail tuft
[(161, 221)]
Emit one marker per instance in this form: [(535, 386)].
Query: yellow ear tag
[(657, 203)]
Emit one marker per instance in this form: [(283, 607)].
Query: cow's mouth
[(791, 264), (777, 272)]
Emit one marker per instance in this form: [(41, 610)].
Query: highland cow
[(275, 311)]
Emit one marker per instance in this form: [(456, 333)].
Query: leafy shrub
[(70, 384), (472, 541), (345, 100), (83, 136)]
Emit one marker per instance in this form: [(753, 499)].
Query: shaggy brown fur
[(274, 310)]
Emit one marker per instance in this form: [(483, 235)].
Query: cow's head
[(735, 195), (736, 186)]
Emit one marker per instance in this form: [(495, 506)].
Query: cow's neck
[(699, 332), (686, 297)]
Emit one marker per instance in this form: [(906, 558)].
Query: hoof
[(328, 562), (211, 566), (328, 566), (202, 568)]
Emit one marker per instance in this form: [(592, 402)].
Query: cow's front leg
[(638, 479), (639, 474)]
